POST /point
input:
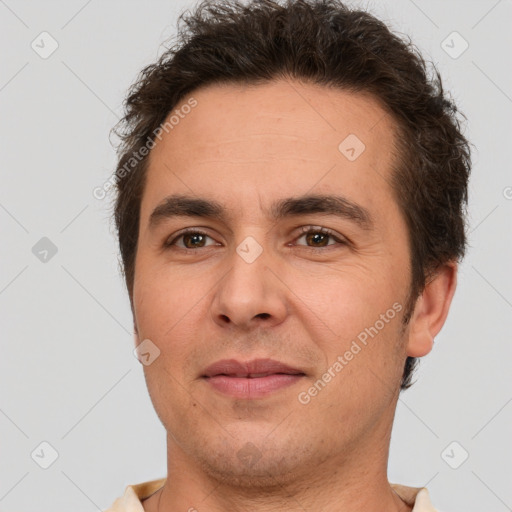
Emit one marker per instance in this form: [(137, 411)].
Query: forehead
[(261, 139)]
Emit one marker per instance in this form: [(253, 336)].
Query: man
[(290, 196)]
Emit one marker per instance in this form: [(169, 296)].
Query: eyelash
[(304, 230)]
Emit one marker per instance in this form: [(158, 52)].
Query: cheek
[(345, 302), (355, 316), (164, 298)]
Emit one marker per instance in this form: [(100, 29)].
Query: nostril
[(263, 315)]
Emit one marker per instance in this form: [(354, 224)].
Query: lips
[(254, 369), (256, 379)]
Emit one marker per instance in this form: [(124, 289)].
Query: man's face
[(252, 283)]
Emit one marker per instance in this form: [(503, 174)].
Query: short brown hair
[(322, 42)]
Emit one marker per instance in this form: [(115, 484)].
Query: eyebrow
[(187, 206)]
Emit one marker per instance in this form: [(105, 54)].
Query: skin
[(246, 147)]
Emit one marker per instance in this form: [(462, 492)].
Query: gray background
[(68, 375)]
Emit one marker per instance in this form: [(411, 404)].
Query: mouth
[(251, 379), (249, 375)]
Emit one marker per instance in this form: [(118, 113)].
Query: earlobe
[(431, 310)]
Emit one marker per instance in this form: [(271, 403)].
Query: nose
[(250, 294)]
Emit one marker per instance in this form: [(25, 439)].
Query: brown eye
[(193, 240), (190, 240), (318, 239)]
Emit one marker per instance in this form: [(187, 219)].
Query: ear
[(431, 310), (135, 334)]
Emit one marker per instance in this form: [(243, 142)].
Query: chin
[(255, 462)]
